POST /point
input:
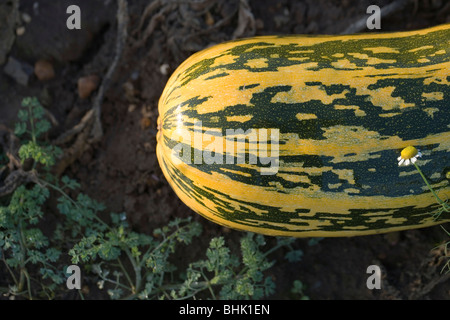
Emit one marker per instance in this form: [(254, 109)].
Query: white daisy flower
[(408, 156)]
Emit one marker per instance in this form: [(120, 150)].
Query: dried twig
[(147, 12), (75, 151), (10, 145), (13, 171), (69, 134), (154, 21), (15, 179), (122, 21), (386, 11), (89, 129), (427, 288), (430, 274), (246, 20)]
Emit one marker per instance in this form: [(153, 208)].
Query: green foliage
[(443, 209), (314, 241), (238, 277), (125, 263), (298, 290), (33, 125), (444, 206), (21, 243)]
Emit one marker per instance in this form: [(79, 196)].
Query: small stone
[(17, 71), (130, 91), (44, 70), (164, 69), (20, 31), (145, 123), (26, 17), (131, 107), (47, 34), (86, 85), (85, 289), (9, 14)]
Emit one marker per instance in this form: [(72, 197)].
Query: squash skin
[(345, 106)]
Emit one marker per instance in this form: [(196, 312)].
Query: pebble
[(145, 123), (17, 70), (130, 91), (131, 107), (20, 31), (86, 85), (164, 69), (44, 70), (26, 17)]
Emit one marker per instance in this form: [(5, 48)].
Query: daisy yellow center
[(409, 152)]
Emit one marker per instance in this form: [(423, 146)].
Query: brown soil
[(121, 170)]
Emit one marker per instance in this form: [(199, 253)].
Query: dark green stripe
[(323, 54)]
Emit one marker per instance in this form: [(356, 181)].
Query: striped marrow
[(299, 135)]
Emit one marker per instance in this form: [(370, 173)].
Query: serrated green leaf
[(41, 127), (23, 115), (20, 128), (108, 252), (294, 255), (69, 183)]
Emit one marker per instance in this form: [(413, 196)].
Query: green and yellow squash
[(300, 135)]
